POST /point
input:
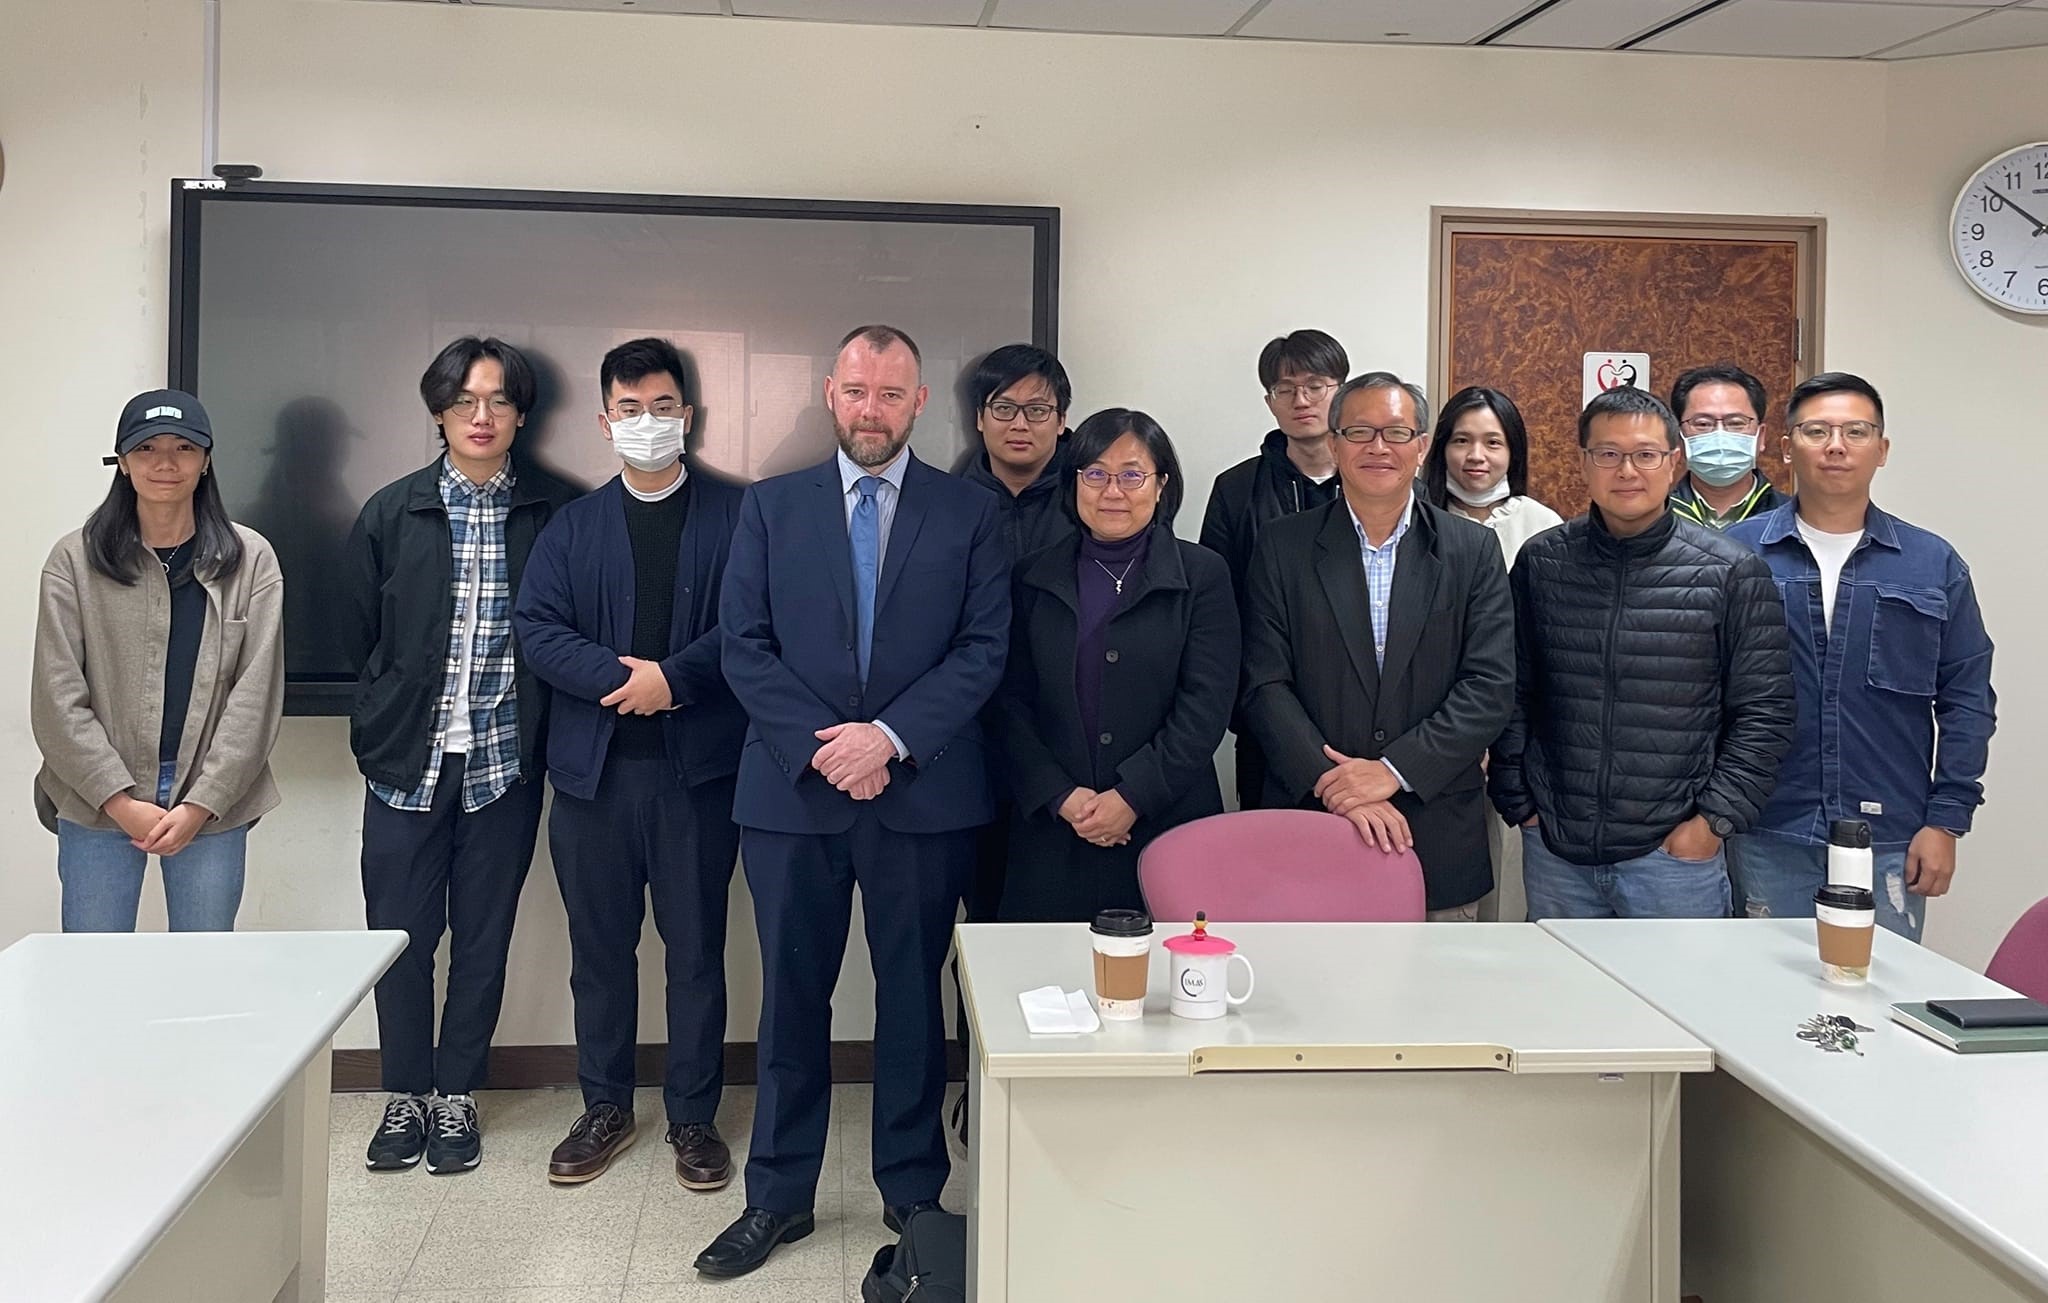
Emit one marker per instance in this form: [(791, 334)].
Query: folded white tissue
[(1049, 1011)]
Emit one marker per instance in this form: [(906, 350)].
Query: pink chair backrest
[(1278, 866), (2022, 959)]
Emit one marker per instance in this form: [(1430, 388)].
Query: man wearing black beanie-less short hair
[(446, 730)]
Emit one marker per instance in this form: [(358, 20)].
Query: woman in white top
[(1478, 466)]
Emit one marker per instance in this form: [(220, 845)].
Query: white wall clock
[(1998, 231)]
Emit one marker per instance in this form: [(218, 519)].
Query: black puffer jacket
[(1654, 684)]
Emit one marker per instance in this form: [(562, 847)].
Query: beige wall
[(1212, 195)]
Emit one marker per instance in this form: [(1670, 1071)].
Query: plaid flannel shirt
[(476, 528)]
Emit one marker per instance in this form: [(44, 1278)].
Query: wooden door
[(1522, 300)]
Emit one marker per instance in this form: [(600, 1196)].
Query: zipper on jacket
[(1607, 712)]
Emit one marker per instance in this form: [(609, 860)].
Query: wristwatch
[(1720, 826)]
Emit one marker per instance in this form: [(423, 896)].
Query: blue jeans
[(1656, 885), (1776, 877), (102, 876)]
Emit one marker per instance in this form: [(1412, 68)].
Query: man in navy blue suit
[(866, 614), (618, 612)]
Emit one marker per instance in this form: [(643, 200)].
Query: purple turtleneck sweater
[(1101, 565)]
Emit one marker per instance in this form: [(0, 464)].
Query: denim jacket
[(1909, 654)]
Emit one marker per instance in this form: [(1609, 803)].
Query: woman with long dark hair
[(1478, 467), (158, 682), (1124, 647)]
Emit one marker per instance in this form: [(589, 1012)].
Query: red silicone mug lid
[(1192, 943)]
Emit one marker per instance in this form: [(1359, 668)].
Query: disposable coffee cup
[(1123, 962), (1846, 918)]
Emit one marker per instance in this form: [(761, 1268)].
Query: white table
[(1911, 1172), (165, 1098), (1403, 1111)]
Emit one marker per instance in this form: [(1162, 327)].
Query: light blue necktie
[(867, 564)]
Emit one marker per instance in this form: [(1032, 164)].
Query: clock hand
[(2039, 225)]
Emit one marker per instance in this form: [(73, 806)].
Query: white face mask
[(648, 442), (1485, 498)]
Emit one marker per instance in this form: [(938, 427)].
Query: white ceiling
[(1828, 29)]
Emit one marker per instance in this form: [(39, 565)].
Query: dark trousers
[(645, 835), (910, 887), (458, 871), (1251, 772)]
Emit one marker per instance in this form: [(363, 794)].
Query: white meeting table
[(1402, 1111), (1906, 1172), (166, 1105)]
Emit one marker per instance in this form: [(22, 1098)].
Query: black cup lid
[(1837, 896), (1122, 923), (1849, 832)]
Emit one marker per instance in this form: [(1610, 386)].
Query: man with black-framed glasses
[(1020, 396), (1294, 471), (1891, 665), (1653, 696), (1720, 409), (1379, 651)]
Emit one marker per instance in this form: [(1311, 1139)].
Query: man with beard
[(866, 614)]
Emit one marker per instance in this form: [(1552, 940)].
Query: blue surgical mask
[(1720, 458)]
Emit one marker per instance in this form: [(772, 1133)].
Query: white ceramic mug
[(1201, 984)]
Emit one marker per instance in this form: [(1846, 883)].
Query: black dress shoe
[(746, 1244), (896, 1216)]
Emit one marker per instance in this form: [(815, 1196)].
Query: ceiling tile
[(1818, 29), (1439, 22), (1937, 4), (933, 13), (1596, 24), (2005, 30), (611, 6), (1138, 17)]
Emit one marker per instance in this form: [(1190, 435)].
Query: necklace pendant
[(1119, 588)]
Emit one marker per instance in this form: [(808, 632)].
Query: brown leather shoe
[(598, 1137), (702, 1160)]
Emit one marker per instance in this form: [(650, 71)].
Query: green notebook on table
[(1968, 1040)]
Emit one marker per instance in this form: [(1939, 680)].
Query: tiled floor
[(502, 1234)]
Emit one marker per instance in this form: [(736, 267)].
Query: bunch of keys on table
[(1832, 1032)]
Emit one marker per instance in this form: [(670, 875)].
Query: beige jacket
[(96, 702)]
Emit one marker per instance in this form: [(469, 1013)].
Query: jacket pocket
[(233, 633), (1905, 639)]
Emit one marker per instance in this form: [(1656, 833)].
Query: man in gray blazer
[(1380, 651)]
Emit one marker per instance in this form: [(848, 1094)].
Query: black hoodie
[(1034, 519)]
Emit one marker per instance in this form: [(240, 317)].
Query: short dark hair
[(1012, 363), (1720, 373), (1831, 382), (1310, 352), (879, 337), (1436, 466), (637, 359), (1627, 400), (1379, 380), (442, 382), (1092, 438)]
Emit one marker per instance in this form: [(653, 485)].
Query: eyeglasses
[(1036, 413), (1643, 459), (1732, 424), (1391, 434), (1315, 391), (1815, 434), (663, 407), (1129, 481), (465, 406)]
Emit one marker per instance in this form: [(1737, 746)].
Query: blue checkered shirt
[(1379, 574), (476, 528)]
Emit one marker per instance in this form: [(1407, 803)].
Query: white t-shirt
[(1832, 552)]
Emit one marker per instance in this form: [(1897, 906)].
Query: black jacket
[(1245, 497), (1169, 676), (396, 610), (1445, 690), (1654, 685), (1035, 518)]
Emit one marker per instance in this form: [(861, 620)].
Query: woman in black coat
[(1124, 649)]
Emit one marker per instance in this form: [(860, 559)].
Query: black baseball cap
[(161, 411)]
